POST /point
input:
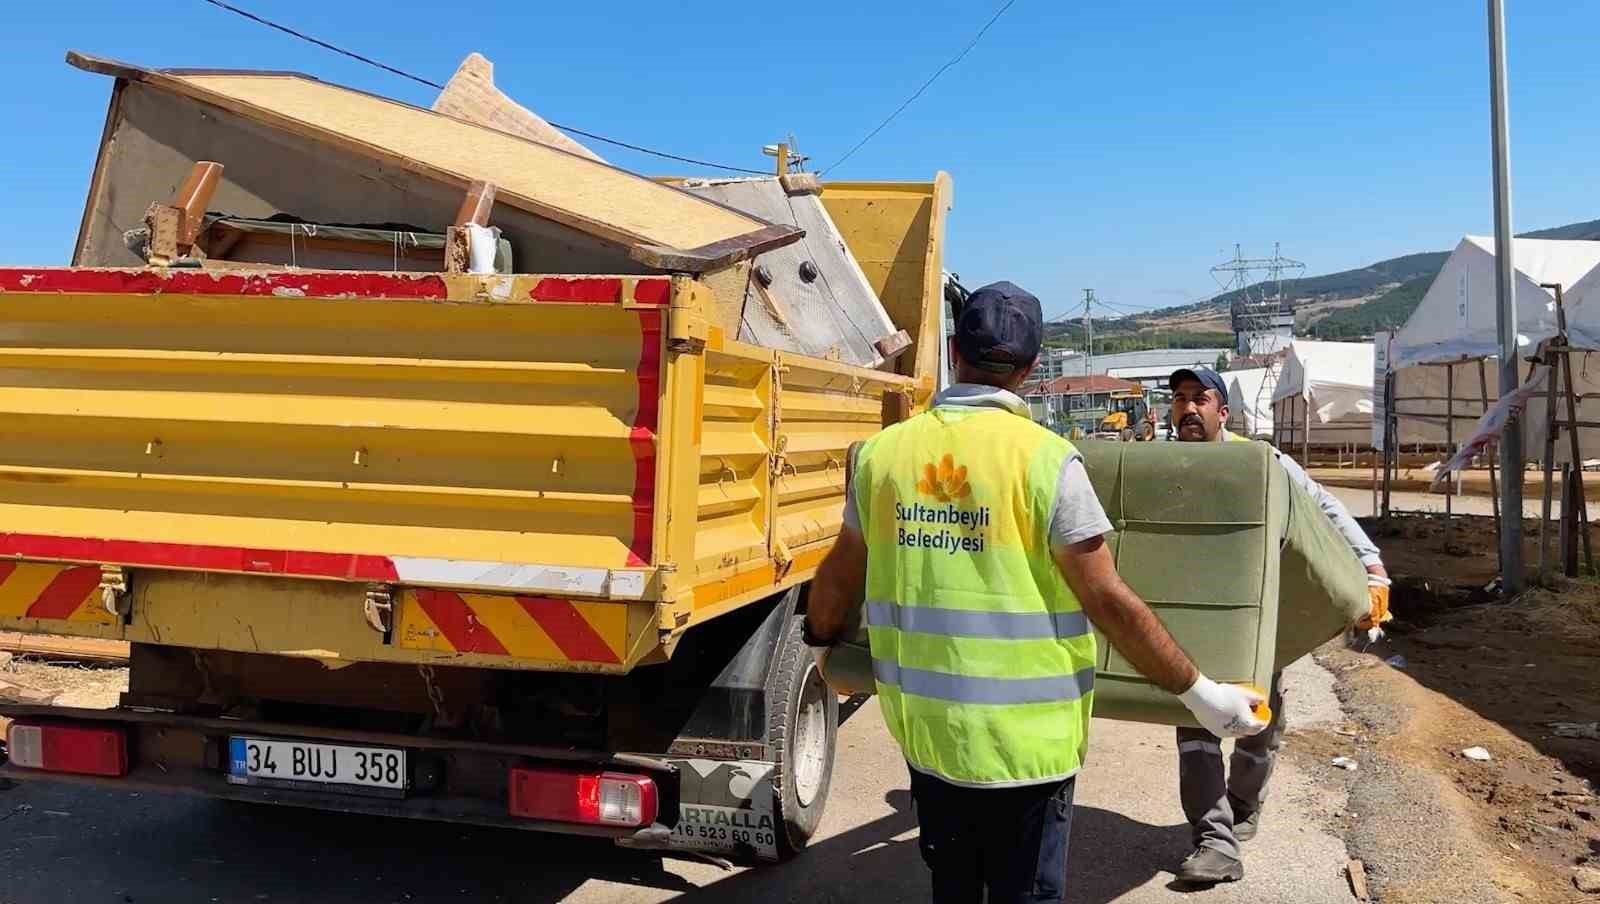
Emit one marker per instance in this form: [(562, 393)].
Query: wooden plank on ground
[(12, 692), (87, 649)]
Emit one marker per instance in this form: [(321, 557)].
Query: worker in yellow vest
[(973, 545), (1225, 809)]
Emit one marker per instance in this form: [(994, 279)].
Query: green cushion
[(1240, 564)]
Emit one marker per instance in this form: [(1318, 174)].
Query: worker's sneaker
[(1245, 825), (1208, 866)]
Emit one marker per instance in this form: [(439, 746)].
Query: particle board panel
[(520, 169), (656, 222), (156, 136), (471, 95)]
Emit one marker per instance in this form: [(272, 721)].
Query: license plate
[(270, 761)]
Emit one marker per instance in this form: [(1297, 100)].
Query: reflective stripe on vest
[(983, 657), (970, 623), (966, 689)]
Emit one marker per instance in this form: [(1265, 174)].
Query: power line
[(432, 84), (662, 154), (1117, 309), (321, 43), (918, 93), (1125, 311)]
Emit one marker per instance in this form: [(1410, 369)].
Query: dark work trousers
[(1012, 841), (1212, 800)]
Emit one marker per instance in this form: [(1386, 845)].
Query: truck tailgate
[(481, 434)]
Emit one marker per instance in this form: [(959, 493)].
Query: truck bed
[(547, 472)]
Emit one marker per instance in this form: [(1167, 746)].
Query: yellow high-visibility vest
[(984, 659)]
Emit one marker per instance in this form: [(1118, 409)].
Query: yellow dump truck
[(517, 548)]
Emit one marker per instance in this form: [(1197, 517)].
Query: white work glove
[(1225, 710)]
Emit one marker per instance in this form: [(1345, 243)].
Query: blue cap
[(1000, 329), (1207, 377)]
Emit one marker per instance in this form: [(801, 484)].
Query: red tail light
[(79, 749), (593, 798)]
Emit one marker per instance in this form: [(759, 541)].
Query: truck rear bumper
[(450, 780)]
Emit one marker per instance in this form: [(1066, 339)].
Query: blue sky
[(1121, 147)]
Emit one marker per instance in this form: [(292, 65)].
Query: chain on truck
[(433, 472)]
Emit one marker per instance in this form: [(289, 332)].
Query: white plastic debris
[(1345, 763), (481, 244), (1477, 754), (1397, 661)]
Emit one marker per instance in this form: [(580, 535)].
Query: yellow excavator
[(1115, 422)]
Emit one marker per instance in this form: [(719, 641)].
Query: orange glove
[(1378, 597), (1260, 708)]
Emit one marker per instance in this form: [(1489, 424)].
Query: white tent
[(1326, 388), (1457, 318), (1582, 303), (1249, 408), (1436, 355)]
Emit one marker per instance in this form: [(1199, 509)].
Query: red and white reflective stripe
[(101, 281), (515, 577), (616, 583), (655, 291), (198, 557), (646, 425), (592, 798)]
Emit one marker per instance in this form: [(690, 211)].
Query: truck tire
[(803, 732)]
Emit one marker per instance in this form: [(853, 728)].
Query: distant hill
[(1349, 304), (1386, 312), (1353, 283), (1390, 310), (1589, 231)]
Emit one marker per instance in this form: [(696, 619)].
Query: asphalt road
[(63, 844)]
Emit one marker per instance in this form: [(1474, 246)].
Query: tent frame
[(1555, 353), (1393, 414)]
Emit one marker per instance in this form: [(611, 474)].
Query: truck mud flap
[(726, 806)]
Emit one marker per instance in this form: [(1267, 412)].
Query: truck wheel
[(803, 732)]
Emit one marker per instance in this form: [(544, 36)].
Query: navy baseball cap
[(1206, 377), (1000, 329)]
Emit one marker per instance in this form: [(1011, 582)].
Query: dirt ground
[(1476, 672), (94, 687)]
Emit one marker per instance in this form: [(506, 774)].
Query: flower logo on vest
[(944, 482)]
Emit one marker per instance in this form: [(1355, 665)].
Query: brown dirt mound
[(1477, 672)]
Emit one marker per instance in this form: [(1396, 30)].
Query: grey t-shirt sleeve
[(852, 519), (1077, 514), (1364, 548)]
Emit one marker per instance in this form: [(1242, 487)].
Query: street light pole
[(1506, 308)]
